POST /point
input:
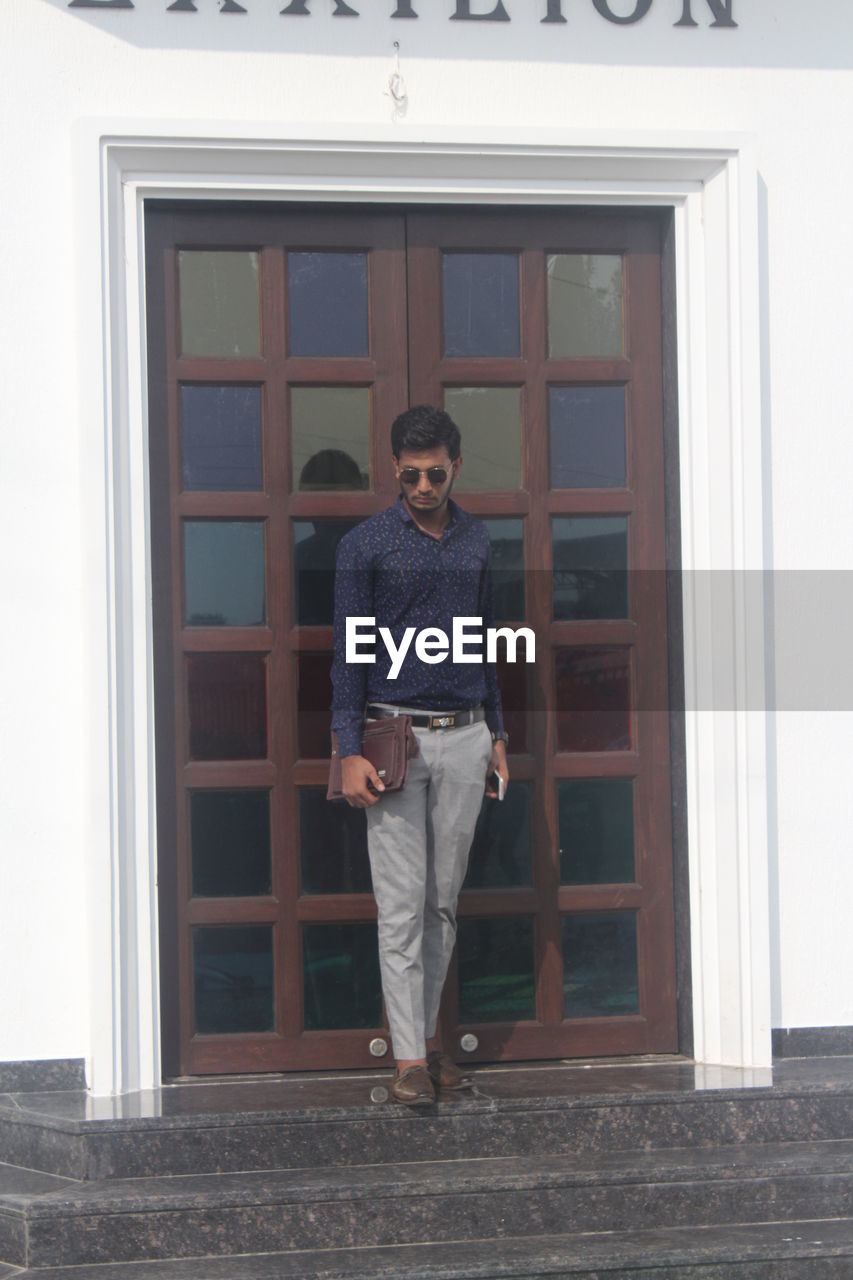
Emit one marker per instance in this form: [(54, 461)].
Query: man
[(420, 563)]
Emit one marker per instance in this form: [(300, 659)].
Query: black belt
[(430, 720)]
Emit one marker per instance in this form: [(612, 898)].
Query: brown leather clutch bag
[(389, 745)]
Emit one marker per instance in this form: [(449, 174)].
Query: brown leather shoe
[(444, 1072), (413, 1086)]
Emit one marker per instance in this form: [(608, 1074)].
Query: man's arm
[(360, 782), (353, 598)]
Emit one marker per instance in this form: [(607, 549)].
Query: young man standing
[(420, 563)]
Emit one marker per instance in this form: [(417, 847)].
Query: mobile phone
[(497, 781)]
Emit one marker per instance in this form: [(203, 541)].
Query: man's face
[(424, 494)]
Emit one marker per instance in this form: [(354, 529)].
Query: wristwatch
[(503, 737)]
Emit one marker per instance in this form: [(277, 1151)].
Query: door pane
[(584, 304), (342, 987), (514, 684), (230, 838), (590, 567), (219, 303), (480, 304), (224, 573), (596, 831), (500, 852), (587, 437), (333, 844), (314, 699), (496, 973), (328, 304), (315, 544), (330, 433), (227, 702), (600, 965), (489, 419), (221, 437), (233, 979), (507, 539), (593, 699)]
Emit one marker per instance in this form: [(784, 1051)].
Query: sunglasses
[(435, 475)]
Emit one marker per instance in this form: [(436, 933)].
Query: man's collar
[(456, 512)]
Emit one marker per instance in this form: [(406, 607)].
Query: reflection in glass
[(227, 703), (330, 431), (224, 573), (507, 539), (230, 837), (328, 304), (596, 819), (513, 682), (220, 311), (593, 699), (590, 567), (600, 965), (221, 437), (496, 969), (500, 852), (333, 843), (314, 698), (315, 543), (584, 304), (587, 437), (490, 421), (233, 979), (341, 976), (480, 304)]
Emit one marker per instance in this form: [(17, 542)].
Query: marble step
[(392, 1204), (291, 1123), (797, 1250)]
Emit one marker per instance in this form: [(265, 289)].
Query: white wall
[(783, 76)]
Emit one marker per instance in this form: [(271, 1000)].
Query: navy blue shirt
[(389, 569)]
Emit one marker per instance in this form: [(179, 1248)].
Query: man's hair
[(424, 427)]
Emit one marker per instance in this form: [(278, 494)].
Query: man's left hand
[(497, 764)]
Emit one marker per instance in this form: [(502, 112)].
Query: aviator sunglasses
[(435, 475)]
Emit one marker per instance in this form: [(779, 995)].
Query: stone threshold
[(331, 1096)]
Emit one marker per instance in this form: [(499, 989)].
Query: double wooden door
[(282, 343)]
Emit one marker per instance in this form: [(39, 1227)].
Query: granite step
[(293, 1123), (19, 1190), (797, 1250), (406, 1203)]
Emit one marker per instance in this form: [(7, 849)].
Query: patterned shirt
[(389, 569)]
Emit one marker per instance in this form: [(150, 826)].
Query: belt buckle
[(442, 722)]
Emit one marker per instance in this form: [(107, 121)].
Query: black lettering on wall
[(721, 9), (300, 7), (555, 12), (463, 13), (640, 10), (182, 6), (100, 4), (404, 10)]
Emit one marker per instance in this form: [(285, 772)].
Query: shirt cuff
[(495, 721)]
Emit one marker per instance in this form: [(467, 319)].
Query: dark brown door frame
[(278, 505)]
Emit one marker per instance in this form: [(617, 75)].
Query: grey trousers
[(419, 840)]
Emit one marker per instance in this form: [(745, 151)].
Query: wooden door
[(282, 342), (540, 333)]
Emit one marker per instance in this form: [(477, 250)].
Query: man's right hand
[(360, 782)]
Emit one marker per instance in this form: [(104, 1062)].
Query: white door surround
[(712, 185)]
